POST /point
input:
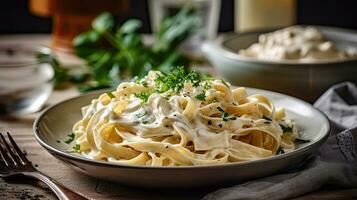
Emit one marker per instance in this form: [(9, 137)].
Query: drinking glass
[(25, 83)]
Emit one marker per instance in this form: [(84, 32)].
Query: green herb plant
[(116, 53)]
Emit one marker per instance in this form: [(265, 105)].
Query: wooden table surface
[(21, 129)]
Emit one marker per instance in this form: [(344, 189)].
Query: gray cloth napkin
[(335, 163)]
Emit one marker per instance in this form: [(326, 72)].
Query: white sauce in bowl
[(299, 43)]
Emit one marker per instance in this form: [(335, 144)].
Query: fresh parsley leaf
[(62, 74), (206, 85), (110, 94), (77, 148), (194, 78), (70, 138), (225, 83), (225, 115), (115, 53), (207, 77), (130, 26), (103, 23), (286, 129), (145, 84), (280, 150), (144, 96), (201, 96), (174, 28), (175, 79)]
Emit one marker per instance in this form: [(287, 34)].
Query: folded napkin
[(335, 163)]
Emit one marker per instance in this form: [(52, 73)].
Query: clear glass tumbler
[(25, 83), (208, 10)]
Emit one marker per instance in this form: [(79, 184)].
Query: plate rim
[(83, 159)]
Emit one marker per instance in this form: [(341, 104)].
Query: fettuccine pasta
[(177, 119)]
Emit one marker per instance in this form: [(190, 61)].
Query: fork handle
[(62, 192)]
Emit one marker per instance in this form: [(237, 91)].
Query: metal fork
[(14, 162)]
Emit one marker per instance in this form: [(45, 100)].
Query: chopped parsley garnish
[(280, 150), (144, 96), (266, 118), (225, 115), (110, 94), (301, 141), (206, 85), (77, 148), (175, 80), (207, 77), (225, 83), (286, 129), (201, 96), (140, 115), (70, 138), (145, 84)]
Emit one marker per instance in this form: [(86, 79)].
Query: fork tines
[(10, 153)]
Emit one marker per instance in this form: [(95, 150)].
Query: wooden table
[(21, 129)]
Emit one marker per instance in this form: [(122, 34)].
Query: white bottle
[(251, 15)]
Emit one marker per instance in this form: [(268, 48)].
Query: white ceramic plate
[(55, 123)]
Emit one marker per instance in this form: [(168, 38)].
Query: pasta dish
[(180, 119)]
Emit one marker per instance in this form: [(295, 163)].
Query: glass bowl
[(25, 83)]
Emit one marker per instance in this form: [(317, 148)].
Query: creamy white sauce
[(299, 43)]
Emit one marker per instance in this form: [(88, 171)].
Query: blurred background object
[(208, 10), (113, 48), (41, 8), (71, 17), (253, 15), (67, 18), (15, 16)]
